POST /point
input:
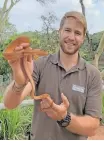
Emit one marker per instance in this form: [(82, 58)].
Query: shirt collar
[(55, 59)]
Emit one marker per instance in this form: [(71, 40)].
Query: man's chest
[(74, 86)]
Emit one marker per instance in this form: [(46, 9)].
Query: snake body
[(10, 54)]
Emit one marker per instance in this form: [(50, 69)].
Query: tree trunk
[(95, 61), (100, 48), (4, 12), (83, 11), (99, 51)]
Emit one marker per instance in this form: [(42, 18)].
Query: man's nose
[(71, 36)]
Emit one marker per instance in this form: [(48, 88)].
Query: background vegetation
[(15, 124)]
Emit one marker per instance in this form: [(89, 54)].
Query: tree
[(50, 34), (48, 22), (98, 53), (6, 30), (83, 11), (4, 13), (87, 32), (5, 10), (100, 47)]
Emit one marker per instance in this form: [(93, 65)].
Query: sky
[(25, 15)]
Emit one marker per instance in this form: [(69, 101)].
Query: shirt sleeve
[(38, 67), (93, 105), (36, 72)]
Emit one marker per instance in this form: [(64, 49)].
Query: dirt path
[(99, 135)]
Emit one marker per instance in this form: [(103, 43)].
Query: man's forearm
[(12, 99), (85, 125)]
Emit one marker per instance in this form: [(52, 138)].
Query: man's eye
[(67, 30), (78, 33)]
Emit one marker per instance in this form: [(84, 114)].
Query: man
[(73, 85)]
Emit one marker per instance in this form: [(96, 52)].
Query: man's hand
[(56, 112), (19, 73)]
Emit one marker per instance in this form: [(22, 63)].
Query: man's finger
[(25, 45), (44, 109), (29, 58), (49, 100), (46, 103), (65, 100)]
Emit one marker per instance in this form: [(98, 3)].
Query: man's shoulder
[(44, 59), (92, 70), (93, 76)]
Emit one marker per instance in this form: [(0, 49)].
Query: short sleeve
[(93, 105), (38, 67), (36, 72)]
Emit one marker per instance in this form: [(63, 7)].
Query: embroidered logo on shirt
[(78, 88)]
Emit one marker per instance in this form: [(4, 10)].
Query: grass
[(14, 123)]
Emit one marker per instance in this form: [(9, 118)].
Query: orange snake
[(10, 54)]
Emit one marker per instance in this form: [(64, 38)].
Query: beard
[(69, 50)]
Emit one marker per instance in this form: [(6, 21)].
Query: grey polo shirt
[(82, 87)]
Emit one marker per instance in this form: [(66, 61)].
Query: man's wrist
[(66, 121), (18, 87)]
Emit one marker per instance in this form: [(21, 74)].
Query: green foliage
[(4, 66), (88, 53), (15, 122), (48, 42), (1, 98), (43, 41), (84, 52), (96, 40)]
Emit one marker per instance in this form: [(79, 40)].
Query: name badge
[(78, 88)]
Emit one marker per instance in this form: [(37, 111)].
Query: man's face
[(71, 36)]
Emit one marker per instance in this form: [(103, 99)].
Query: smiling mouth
[(70, 44)]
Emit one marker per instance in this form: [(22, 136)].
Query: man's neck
[(68, 61)]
